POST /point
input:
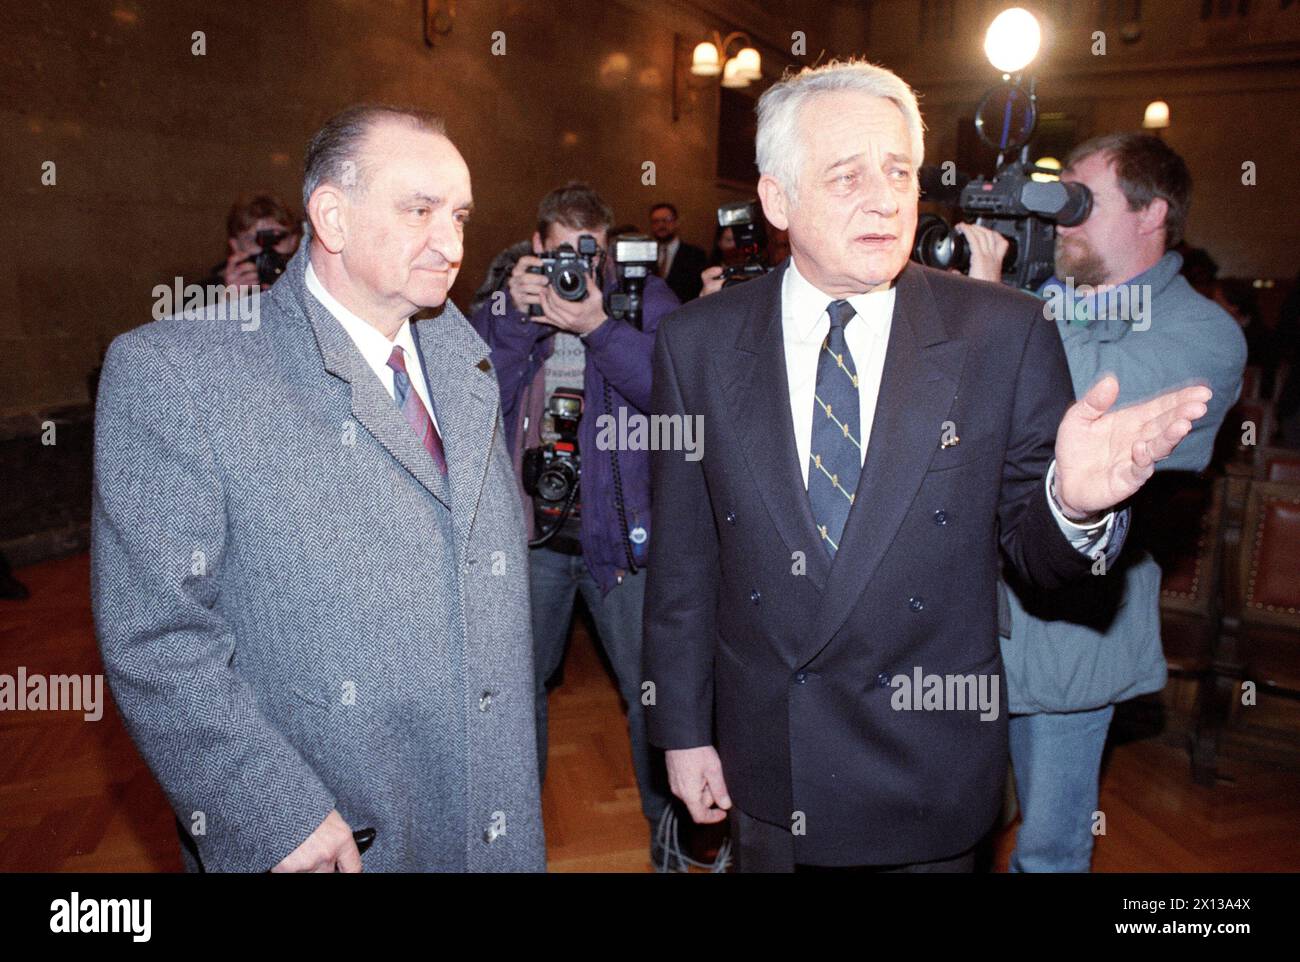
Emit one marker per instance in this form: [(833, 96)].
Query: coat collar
[(461, 384)]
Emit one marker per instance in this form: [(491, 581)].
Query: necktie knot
[(841, 312), (397, 360)]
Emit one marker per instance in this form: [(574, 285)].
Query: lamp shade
[(749, 64), (731, 75), (1156, 116), (704, 61)]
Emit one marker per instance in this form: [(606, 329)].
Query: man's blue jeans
[(555, 579), (1057, 763)]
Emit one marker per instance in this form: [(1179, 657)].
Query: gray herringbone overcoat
[(297, 611)]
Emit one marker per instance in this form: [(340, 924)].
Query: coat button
[(940, 517), (801, 677), (915, 603), (484, 701), (731, 517), (754, 596), (883, 679)]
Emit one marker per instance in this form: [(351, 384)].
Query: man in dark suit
[(680, 263), (821, 644)]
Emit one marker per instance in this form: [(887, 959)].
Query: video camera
[(566, 270), (747, 228), (1021, 208)]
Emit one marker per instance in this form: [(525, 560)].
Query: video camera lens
[(938, 245)]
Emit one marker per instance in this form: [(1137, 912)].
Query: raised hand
[(1104, 456)]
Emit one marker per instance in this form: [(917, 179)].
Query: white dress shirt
[(666, 254), (805, 324), (374, 346)]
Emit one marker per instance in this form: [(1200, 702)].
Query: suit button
[(915, 603), (484, 701), (754, 596), (883, 679), (731, 517), (801, 677), (940, 517)]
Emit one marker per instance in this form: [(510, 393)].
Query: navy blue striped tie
[(835, 459)]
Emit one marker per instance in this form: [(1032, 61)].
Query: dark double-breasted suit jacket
[(760, 643)]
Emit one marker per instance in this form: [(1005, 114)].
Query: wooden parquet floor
[(75, 796)]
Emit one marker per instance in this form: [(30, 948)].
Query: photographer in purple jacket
[(570, 374)]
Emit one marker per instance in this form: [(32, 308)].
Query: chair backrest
[(1179, 516), (1252, 379), (1250, 419), (1278, 464), (1269, 575)]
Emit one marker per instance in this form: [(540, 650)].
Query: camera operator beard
[(575, 344), (1072, 655)]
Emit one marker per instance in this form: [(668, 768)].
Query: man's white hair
[(779, 147)]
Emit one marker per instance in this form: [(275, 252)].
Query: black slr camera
[(748, 230), (566, 270), (1021, 208), (551, 471), (270, 262)]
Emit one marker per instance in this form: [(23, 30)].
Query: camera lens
[(570, 284), (938, 245)]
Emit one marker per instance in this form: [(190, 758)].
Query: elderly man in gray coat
[(309, 572)]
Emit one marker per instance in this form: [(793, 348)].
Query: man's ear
[(326, 210), (1152, 217), (776, 205)]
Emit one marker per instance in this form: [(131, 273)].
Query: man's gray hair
[(779, 150), (335, 154)]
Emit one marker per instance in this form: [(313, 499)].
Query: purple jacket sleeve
[(623, 354), (512, 338)]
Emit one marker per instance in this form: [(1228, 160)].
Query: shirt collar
[(805, 303), (372, 344)]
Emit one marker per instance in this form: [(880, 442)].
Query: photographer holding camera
[(261, 235), (562, 362), (1072, 654)]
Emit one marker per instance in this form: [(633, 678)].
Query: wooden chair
[(1252, 382), (1182, 517), (1260, 639), (1277, 464)]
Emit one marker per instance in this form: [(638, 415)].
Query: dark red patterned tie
[(413, 408)]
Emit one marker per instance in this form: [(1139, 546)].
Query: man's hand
[(988, 248), (711, 277), (329, 847), (695, 776), (525, 288), (576, 317), (1103, 456)]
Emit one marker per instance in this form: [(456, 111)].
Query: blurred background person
[(680, 263)]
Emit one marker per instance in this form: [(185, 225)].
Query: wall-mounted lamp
[(710, 59), (1156, 116)]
